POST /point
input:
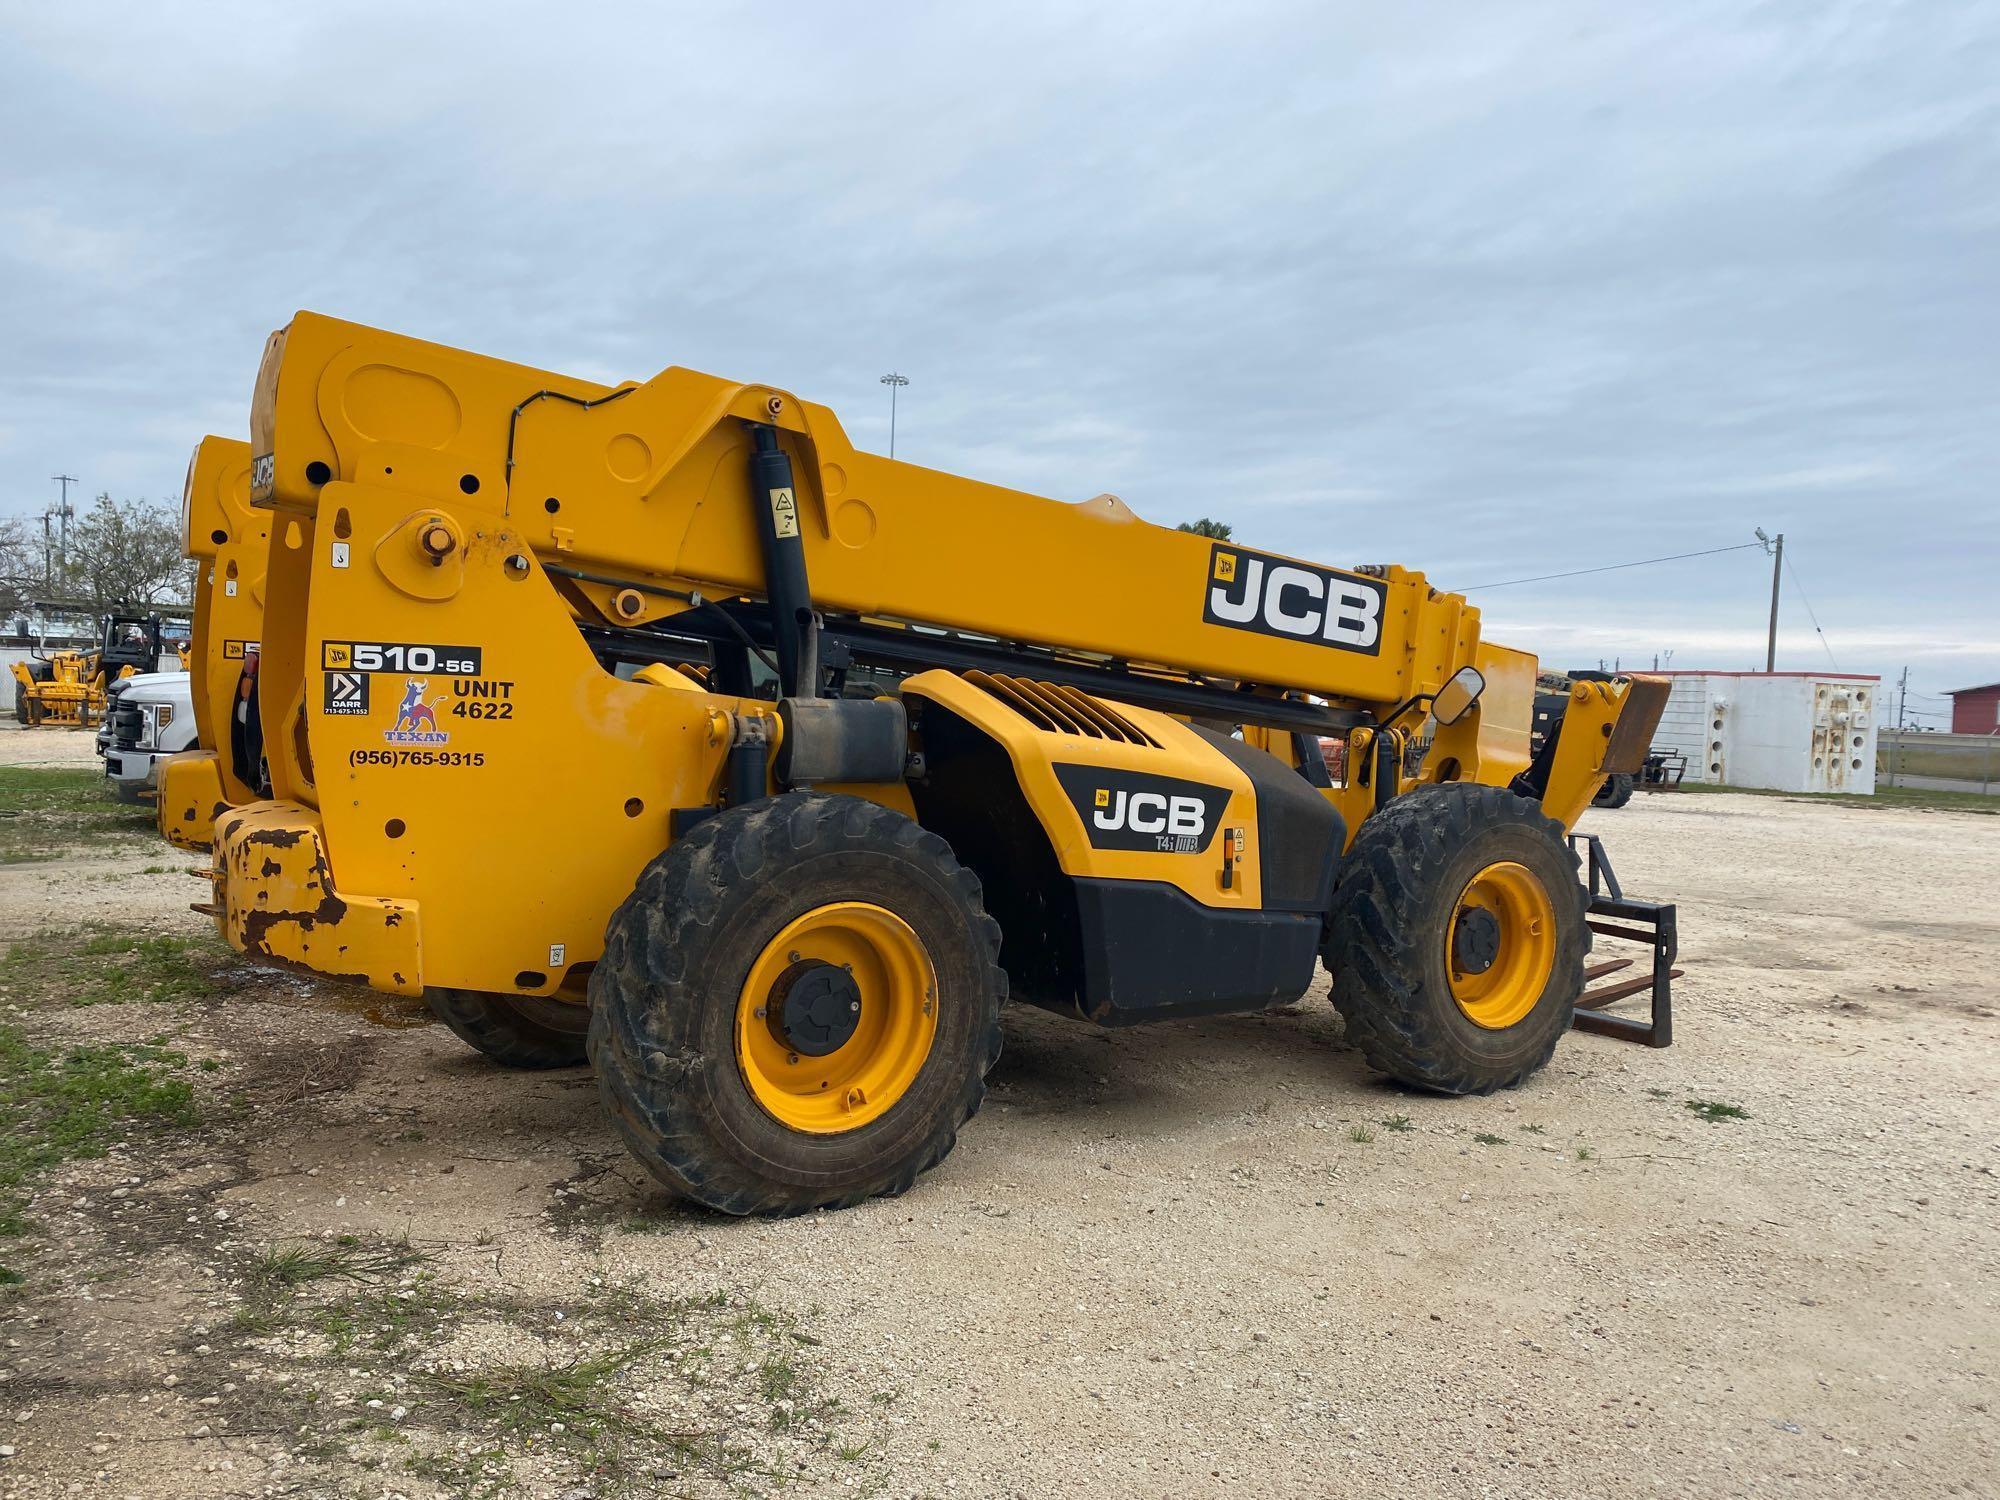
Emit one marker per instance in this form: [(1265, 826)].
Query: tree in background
[(20, 566), (1205, 527), (126, 553)]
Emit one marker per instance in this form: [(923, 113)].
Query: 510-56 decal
[(401, 656)]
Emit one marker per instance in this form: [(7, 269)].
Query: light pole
[(895, 382)]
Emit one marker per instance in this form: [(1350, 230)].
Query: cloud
[(1490, 292)]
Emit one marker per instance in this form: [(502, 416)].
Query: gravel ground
[(1187, 1260), (45, 746)]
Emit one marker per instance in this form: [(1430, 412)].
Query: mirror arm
[(1405, 706)]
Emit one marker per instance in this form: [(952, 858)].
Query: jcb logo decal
[(1138, 810), (1151, 812), (1294, 600)]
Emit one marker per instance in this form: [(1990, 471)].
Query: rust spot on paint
[(257, 925)]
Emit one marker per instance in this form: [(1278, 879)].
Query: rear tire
[(516, 1031), (1616, 791), (690, 1083), (1401, 889)]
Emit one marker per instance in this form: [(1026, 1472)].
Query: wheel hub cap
[(836, 1017), (814, 1008), (1501, 948), (1475, 941)]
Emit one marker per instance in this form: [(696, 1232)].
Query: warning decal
[(785, 512)]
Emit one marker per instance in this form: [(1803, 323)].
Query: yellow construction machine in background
[(658, 722), (68, 689)]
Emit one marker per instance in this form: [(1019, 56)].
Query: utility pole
[(895, 383), (63, 512), (1902, 698), (1777, 551)]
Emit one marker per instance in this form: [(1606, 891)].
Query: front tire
[(516, 1031), (1457, 938), (797, 1006)]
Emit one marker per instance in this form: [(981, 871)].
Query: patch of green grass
[(1715, 1111), (103, 964), (848, 1452), (778, 1377), (525, 1399), (276, 1277), (1584, 1153), (45, 814), (60, 1105), (1532, 1129), (1488, 1138), (589, 1398), (1400, 1124), (1360, 1134), (285, 1268), (1907, 798)]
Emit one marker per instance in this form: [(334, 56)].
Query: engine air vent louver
[(1055, 709)]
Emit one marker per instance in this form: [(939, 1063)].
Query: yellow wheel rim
[(1501, 946), (849, 977)]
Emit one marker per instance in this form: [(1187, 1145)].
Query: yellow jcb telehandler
[(228, 541), (659, 723)]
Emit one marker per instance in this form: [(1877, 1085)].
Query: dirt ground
[(1213, 1258)]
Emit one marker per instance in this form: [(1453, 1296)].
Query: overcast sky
[(1491, 290)]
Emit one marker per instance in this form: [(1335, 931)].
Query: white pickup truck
[(146, 719)]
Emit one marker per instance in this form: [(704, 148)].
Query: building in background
[(1786, 731), (1976, 710)]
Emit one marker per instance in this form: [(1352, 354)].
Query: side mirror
[(1455, 699)]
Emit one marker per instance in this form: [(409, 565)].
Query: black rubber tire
[(677, 953), (1616, 791), (516, 1031), (20, 705), (1385, 946)]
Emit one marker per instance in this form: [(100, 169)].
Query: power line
[(1611, 567), (1809, 611)]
